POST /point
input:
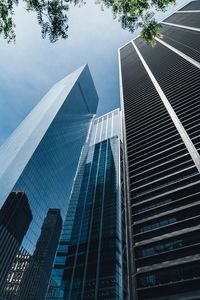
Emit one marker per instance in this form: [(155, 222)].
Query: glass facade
[(106, 126), (36, 278), (91, 256), (41, 156)]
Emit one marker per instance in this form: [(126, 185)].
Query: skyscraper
[(91, 257), (41, 156), (160, 92)]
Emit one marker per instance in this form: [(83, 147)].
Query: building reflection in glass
[(91, 258), (29, 274), (41, 158), (15, 218)]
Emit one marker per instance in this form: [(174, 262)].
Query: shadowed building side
[(160, 92)]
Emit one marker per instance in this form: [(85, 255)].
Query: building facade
[(40, 158), (91, 256), (160, 92)]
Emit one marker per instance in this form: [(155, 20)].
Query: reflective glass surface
[(94, 227), (43, 155)]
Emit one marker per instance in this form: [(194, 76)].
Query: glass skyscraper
[(160, 92), (40, 160), (91, 258)]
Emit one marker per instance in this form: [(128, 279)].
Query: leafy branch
[(139, 13), (7, 25), (51, 16), (53, 20)]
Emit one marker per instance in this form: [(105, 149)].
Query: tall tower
[(160, 92), (91, 256), (41, 156)]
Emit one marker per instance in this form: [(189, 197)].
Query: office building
[(41, 156), (15, 219), (91, 258), (160, 93)]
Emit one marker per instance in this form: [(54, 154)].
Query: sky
[(30, 67)]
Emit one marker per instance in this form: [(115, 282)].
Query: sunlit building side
[(41, 156)]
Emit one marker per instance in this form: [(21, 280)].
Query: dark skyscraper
[(36, 278), (160, 94), (15, 218), (91, 256)]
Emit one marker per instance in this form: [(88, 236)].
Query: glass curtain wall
[(89, 262)]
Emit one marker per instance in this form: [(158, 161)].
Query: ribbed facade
[(160, 89), (91, 258)]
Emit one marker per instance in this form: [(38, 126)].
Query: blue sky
[(31, 66)]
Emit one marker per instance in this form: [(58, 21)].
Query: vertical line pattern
[(185, 137), (181, 26), (101, 224), (129, 238), (186, 57)]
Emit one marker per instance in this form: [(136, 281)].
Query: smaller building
[(91, 256)]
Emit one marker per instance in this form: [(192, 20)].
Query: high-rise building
[(41, 156), (91, 257), (15, 218), (160, 92)]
